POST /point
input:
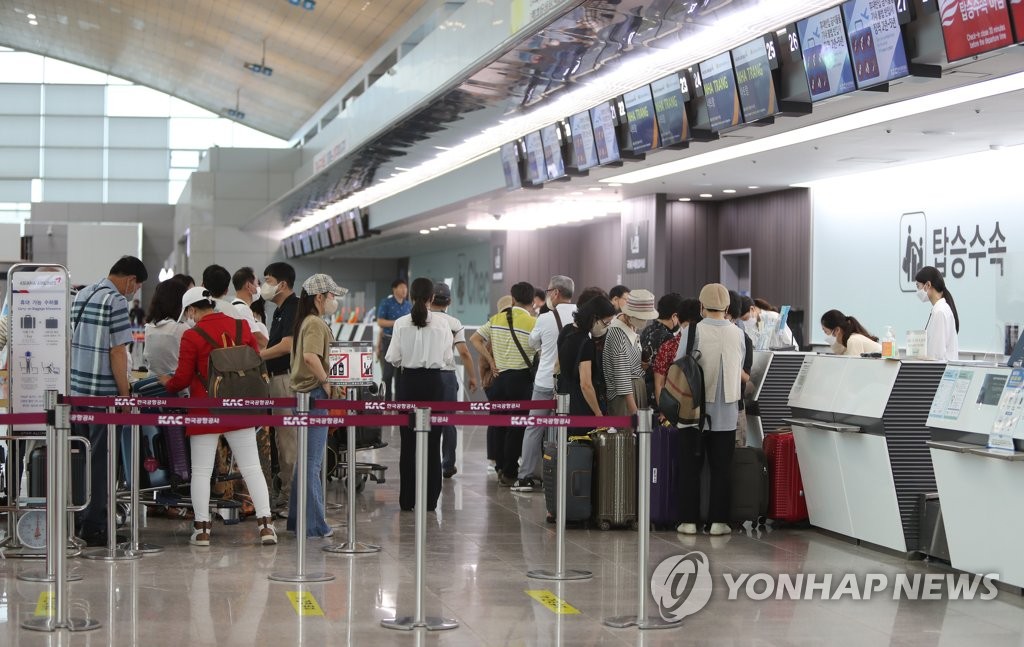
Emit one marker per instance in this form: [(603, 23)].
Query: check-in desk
[(766, 404), (860, 431), (978, 487)]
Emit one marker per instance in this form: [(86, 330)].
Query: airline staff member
[(943, 321), (421, 346)]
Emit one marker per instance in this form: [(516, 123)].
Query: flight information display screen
[(826, 55), (605, 140), (536, 169), (669, 107), (876, 41), (720, 95), (510, 166), (643, 127), (552, 152), (754, 79), (584, 148)]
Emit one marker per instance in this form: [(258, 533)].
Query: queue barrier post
[(561, 487), (58, 429), (112, 553), (135, 469), (641, 620), (301, 495), (421, 426), (352, 546)]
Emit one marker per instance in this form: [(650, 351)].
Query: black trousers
[(511, 385), (718, 447), (425, 385), (93, 519), (387, 369)]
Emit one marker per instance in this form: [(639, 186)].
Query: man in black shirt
[(278, 280)]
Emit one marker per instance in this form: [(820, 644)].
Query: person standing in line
[(579, 356), (487, 374), (721, 349), (212, 330), (309, 374), (688, 314), (623, 372), (163, 328), (544, 339), (247, 290), (421, 347), (943, 320), (540, 305), (449, 437), (278, 279), (618, 295), (390, 309), (510, 357), (101, 333), (657, 333)]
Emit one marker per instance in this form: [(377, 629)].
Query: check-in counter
[(861, 435), (766, 403), (978, 486)]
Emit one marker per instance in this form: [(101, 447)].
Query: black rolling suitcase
[(37, 473), (749, 485), (578, 479)]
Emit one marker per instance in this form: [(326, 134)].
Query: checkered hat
[(321, 284)]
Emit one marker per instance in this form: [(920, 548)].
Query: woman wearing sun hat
[(309, 370), (623, 372)]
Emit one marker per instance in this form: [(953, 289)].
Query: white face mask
[(268, 291), (922, 295), (830, 340), (330, 306), (599, 329), (637, 324)]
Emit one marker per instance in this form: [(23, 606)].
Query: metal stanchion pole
[(111, 553), (352, 547), (408, 623), (59, 420), (301, 476), (561, 486), (135, 469), (11, 471), (641, 619)]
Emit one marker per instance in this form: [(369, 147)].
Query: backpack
[(682, 398), (235, 369)]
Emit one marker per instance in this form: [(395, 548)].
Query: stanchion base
[(652, 622), (24, 553), (352, 548), (334, 506), (110, 555), (43, 576), (295, 577), (407, 623), (142, 547), (77, 543), (570, 574), (71, 624)]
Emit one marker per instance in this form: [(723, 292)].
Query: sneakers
[(687, 528), (720, 529), (200, 533), (268, 535), (282, 513), (527, 484), (504, 481), (329, 533), (450, 472)]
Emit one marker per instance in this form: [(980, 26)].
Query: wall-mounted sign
[(498, 264), (636, 247)]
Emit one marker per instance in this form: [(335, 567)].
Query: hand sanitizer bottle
[(889, 344)]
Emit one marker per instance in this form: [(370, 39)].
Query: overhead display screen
[(334, 232), (348, 226), (510, 166), (754, 80), (669, 107), (604, 133), (643, 127), (876, 41), (720, 95), (584, 149), (826, 55), (552, 152), (307, 247), (360, 223), (1017, 14), (536, 169), (325, 235), (972, 27)]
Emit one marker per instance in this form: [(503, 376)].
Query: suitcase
[(579, 471), (172, 445), (665, 477), (786, 500), (749, 497), (615, 496), (37, 473), (153, 472)]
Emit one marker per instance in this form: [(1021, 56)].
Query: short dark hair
[(522, 292), (589, 293), (130, 266), (184, 279), (668, 305), (746, 303), (735, 304), (397, 282), (281, 271), (166, 301), (689, 311), (242, 276), (540, 294), (216, 279), (618, 291)]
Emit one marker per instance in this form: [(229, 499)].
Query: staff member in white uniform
[(943, 322), (421, 346)]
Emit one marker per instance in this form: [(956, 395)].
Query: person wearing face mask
[(845, 335), (943, 321), (687, 314), (309, 374), (579, 354), (163, 327), (618, 295), (278, 279), (623, 372), (247, 289), (657, 333)]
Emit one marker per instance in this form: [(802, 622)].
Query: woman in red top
[(193, 360)]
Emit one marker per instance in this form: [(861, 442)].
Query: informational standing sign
[(1011, 403), (39, 337), (350, 363)]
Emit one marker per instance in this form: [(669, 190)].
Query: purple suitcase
[(175, 444), (665, 475)]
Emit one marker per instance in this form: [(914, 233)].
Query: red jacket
[(194, 360)]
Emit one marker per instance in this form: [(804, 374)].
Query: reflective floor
[(480, 545)]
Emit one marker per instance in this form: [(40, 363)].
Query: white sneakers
[(687, 528), (716, 529)]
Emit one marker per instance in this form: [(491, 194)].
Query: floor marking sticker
[(44, 607), (304, 603), (553, 602)]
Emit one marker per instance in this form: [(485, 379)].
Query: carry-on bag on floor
[(173, 442), (37, 473), (615, 478), (786, 500), (749, 485), (578, 471), (666, 473), (153, 471)]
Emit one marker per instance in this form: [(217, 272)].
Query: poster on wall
[(636, 247)]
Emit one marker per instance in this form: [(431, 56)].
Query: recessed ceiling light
[(31, 16), (594, 188), (728, 190), (684, 199), (576, 193), (424, 231), (33, 22), (451, 224), (435, 229), (401, 168), (753, 187), (706, 195), (614, 184)]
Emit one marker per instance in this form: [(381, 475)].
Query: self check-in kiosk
[(861, 435), (766, 404)]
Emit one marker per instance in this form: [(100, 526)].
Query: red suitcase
[(786, 499)]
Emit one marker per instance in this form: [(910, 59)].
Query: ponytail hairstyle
[(929, 274), (421, 292), (306, 308), (834, 319), (764, 305)]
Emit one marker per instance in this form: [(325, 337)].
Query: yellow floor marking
[(44, 607), (304, 603), (553, 602)]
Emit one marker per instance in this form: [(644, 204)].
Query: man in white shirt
[(216, 279), (449, 439), (544, 338), (247, 287)]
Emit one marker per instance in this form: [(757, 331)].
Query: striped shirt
[(506, 355), (102, 323), (621, 359)]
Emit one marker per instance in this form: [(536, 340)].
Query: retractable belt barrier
[(258, 404), (23, 419)]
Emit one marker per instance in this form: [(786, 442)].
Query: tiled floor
[(480, 545)]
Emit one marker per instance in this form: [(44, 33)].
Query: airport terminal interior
[(841, 179)]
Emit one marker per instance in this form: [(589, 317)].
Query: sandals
[(268, 535), (200, 533)]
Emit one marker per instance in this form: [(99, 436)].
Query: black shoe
[(450, 473), (99, 539)]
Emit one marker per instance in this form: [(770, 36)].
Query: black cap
[(442, 293)]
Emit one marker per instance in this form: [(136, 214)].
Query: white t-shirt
[(427, 347), (236, 312), (163, 340), (458, 334), (544, 337), (943, 344)]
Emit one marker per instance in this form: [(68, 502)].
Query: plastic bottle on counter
[(889, 344)]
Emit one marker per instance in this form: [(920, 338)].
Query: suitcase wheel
[(633, 525), (604, 524)]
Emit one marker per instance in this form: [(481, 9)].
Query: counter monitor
[(970, 27), (348, 226), (670, 109), (584, 148), (754, 79), (536, 169), (876, 41), (361, 221), (826, 55), (552, 152), (510, 166), (603, 120), (720, 94), (307, 246), (643, 126)]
